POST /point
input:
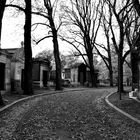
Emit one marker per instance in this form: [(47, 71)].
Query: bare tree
[(106, 53), (48, 11), (82, 19), (49, 7), (132, 36), (119, 11)]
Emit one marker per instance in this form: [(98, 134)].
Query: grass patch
[(128, 105)]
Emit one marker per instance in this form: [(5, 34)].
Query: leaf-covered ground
[(73, 115)]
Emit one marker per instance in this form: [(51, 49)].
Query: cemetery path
[(72, 115)]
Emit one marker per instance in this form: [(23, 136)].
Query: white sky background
[(13, 34), (12, 31)]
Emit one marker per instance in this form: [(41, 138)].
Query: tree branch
[(125, 55), (104, 58), (63, 39), (15, 6), (43, 39), (39, 23), (40, 14)]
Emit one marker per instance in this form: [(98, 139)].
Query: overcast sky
[(12, 35)]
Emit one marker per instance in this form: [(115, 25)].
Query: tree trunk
[(109, 61), (27, 50), (111, 77), (93, 77), (89, 51), (58, 64), (92, 70), (120, 75), (2, 7), (110, 67), (134, 69), (136, 5), (120, 58), (56, 52)]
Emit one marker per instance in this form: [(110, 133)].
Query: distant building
[(5, 71), (40, 71), (17, 66), (78, 74)]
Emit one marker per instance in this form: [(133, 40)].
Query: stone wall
[(7, 71), (74, 76), (16, 75)]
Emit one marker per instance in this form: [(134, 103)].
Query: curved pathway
[(60, 116), (72, 115)]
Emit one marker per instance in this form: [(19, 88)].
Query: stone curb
[(119, 110), (33, 96), (137, 100), (23, 99)]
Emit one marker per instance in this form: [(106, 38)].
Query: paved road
[(64, 116)]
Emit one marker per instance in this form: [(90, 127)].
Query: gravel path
[(73, 115)]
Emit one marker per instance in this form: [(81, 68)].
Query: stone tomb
[(5, 72)]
